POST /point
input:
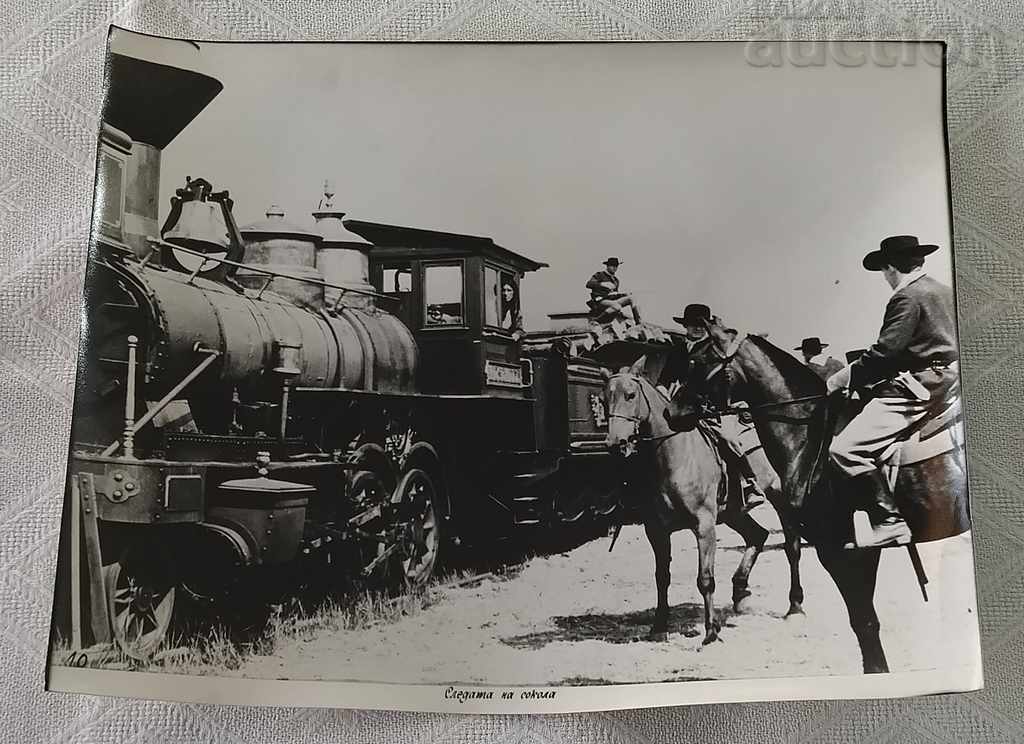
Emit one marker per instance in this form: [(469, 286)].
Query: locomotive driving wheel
[(369, 496), (140, 600), (421, 538), (398, 531)]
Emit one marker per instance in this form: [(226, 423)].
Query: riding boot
[(753, 496), (887, 524), (751, 492)]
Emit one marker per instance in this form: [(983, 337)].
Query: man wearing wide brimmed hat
[(607, 302), (726, 428), (813, 347), (912, 364)]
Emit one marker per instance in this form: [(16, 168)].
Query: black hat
[(853, 355), (612, 261), (693, 314), (811, 345), (896, 247)]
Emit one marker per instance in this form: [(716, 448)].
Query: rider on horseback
[(911, 365), (725, 428)]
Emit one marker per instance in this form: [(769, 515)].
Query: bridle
[(726, 357), (637, 420), (637, 438)]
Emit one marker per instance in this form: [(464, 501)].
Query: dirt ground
[(582, 618)]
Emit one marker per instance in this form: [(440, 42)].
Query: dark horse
[(794, 423), (688, 478)]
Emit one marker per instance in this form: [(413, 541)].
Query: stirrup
[(866, 535), (752, 496)]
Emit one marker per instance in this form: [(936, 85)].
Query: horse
[(795, 418), (689, 476)]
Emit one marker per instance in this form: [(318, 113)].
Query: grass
[(218, 649)]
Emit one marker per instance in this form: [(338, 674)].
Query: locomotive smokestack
[(343, 257), (156, 89)]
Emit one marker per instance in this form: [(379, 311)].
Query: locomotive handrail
[(130, 428), (160, 462), (258, 270), (399, 395)]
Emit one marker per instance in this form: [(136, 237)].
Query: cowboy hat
[(896, 247), (812, 345), (612, 261), (693, 314)]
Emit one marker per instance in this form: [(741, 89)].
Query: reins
[(817, 463)]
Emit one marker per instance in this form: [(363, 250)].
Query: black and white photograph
[(518, 377)]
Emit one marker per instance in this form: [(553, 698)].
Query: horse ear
[(638, 365)]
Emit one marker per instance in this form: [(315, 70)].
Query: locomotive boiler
[(259, 405)]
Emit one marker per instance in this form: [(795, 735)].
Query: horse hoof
[(710, 638), (795, 616), (742, 606), (658, 636)]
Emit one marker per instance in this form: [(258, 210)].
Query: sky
[(756, 190)]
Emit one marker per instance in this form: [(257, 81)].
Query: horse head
[(629, 409), (712, 377)]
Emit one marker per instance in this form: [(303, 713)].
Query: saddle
[(926, 474), (939, 434)]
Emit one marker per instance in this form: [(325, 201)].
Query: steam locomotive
[(255, 401)]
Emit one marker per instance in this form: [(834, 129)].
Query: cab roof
[(413, 242)]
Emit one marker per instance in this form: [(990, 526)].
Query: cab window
[(501, 299), (442, 295), (492, 296), (397, 280)]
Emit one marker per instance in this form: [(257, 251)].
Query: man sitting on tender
[(607, 303)]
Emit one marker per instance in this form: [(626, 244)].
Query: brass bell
[(200, 227)]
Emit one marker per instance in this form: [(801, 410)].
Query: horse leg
[(754, 536), (792, 546), (661, 543), (855, 572), (705, 533)]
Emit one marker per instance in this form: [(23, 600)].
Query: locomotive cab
[(460, 296)]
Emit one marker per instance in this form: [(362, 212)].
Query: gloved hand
[(839, 381)]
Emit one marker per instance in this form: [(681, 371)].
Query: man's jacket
[(918, 332)]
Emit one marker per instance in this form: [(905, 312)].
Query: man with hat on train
[(913, 364), (811, 348), (607, 303), (674, 374)]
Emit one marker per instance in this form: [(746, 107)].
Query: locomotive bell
[(200, 227)]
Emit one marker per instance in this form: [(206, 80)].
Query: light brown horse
[(687, 480)]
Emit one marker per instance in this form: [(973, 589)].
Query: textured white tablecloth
[(50, 85)]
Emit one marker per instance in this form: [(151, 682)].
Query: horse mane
[(799, 375)]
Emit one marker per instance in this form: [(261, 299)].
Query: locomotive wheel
[(140, 601), (367, 493), (415, 498)]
